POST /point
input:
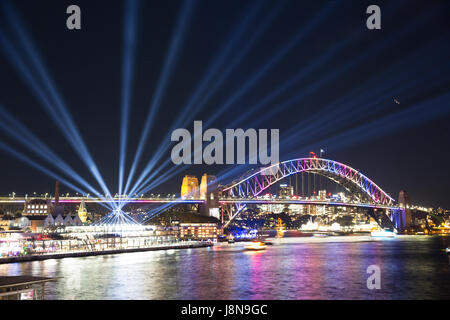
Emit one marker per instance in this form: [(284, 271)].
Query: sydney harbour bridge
[(233, 198)]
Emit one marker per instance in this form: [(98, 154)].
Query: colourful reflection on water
[(411, 268)]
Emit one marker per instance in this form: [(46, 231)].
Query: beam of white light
[(17, 131), (52, 102), (315, 86), (420, 113), (204, 92), (116, 218), (353, 108), (24, 72), (309, 68), (131, 21), (38, 167), (300, 35), (176, 43)]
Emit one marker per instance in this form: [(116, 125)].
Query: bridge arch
[(351, 179)]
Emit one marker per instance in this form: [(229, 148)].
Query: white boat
[(383, 233), (255, 246)]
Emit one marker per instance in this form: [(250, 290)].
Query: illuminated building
[(198, 230), (322, 194), (189, 187), (286, 191), (36, 207), (82, 212)]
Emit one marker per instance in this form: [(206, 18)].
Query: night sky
[(376, 100)]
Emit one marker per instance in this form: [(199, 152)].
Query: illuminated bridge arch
[(352, 180)]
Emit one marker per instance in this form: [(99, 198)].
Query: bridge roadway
[(305, 202), (10, 200), (226, 201)]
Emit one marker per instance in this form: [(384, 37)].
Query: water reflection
[(411, 268)]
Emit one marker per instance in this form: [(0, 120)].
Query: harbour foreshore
[(75, 254)]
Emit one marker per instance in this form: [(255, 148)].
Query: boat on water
[(383, 233), (230, 239), (256, 246), (320, 235)]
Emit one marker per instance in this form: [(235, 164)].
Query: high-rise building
[(189, 187), (322, 194), (286, 191)]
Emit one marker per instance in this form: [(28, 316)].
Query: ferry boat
[(383, 233), (255, 246)]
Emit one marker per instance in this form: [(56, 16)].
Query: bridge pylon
[(210, 193)]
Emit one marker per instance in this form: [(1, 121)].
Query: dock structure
[(23, 287)]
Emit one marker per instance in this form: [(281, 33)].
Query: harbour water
[(412, 267)]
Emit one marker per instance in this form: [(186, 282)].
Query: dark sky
[(339, 83)]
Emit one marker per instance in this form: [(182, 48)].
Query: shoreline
[(98, 253)]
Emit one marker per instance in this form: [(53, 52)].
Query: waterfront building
[(59, 220), (49, 220), (5, 225), (37, 207), (68, 221), (22, 223), (198, 231)]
